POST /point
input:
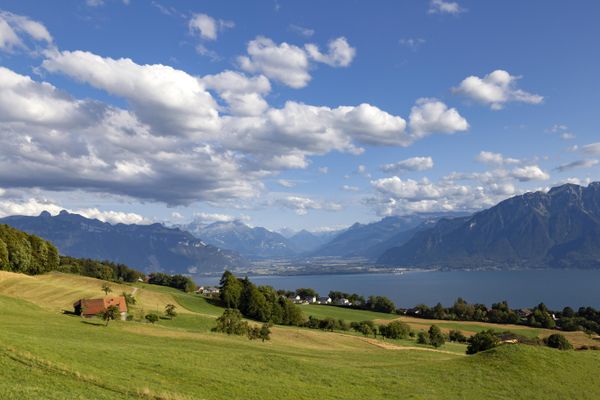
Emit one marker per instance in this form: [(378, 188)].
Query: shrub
[(436, 337), (395, 330), (558, 341), (457, 336), (152, 317), (482, 341), (230, 322), (422, 338)]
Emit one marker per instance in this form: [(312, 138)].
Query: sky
[(288, 114)]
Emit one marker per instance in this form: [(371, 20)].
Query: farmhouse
[(324, 300), (88, 308)]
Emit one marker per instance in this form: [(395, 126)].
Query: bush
[(395, 330), (558, 341), (152, 317), (422, 338), (457, 336), (230, 322), (364, 327), (482, 341), (436, 337)]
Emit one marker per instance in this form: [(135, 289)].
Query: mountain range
[(149, 248), (555, 229)]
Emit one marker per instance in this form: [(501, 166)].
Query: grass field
[(47, 355)]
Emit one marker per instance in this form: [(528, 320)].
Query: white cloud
[(444, 7), (114, 217), (591, 149), (340, 53), (487, 157), (302, 205), (284, 63), (431, 115), (166, 98), (286, 183), (529, 173), (208, 218), (323, 170), (349, 188), (207, 27), (496, 89), (243, 95), (306, 32), (412, 43), (290, 64), (410, 164), (13, 27), (577, 164)]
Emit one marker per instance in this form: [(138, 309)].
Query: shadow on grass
[(93, 323)]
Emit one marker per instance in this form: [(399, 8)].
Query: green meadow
[(45, 354)]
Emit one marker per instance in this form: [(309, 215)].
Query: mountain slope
[(305, 241), (365, 240), (250, 242), (558, 229), (145, 247)]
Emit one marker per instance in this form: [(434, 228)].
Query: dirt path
[(390, 346)]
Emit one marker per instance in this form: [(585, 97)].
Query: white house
[(324, 300)]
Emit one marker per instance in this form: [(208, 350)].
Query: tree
[(230, 322), (151, 317), (395, 330), (482, 341), (106, 288), (305, 293), (364, 327), (111, 313), (265, 332), (170, 311), (380, 304), (558, 341), (457, 336), (436, 337), (422, 338), (129, 298), (230, 290)]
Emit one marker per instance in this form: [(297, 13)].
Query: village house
[(342, 302), (208, 291), (324, 300), (88, 308)]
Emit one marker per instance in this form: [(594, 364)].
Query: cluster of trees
[(105, 270), (261, 303), (584, 319), (500, 313), (231, 323), (433, 336), (25, 253), (356, 299), (181, 282)]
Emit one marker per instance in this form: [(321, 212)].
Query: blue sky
[(293, 114)]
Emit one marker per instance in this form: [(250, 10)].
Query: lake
[(556, 288)]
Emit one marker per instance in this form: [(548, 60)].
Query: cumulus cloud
[(205, 218), (170, 99), (529, 173), (284, 63), (243, 95), (340, 53), (15, 29), (487, 157), (34, 207), (207, 27), (496, 89), (302, 205), (444, 7), (410, 164), (286, 183), (431, 115), (289, 64)]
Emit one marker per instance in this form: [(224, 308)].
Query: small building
[(524, 312), (324, 300), (310, 299), (342, 302), (88, 308)]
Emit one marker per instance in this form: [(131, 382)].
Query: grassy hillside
[(44, 354)]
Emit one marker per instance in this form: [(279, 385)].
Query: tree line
[(25, 253), (181, 282), (105, 270)]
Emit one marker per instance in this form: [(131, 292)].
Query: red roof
[(97, 306)]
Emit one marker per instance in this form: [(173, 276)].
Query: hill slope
[(558, 229), (47, 355), (148, 248)]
